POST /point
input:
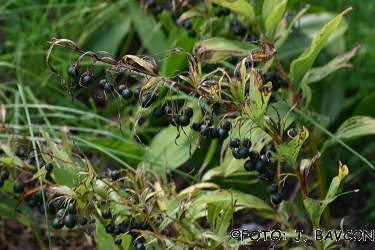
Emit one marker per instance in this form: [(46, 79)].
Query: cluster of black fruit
[(205, 128), (256, 162), (18, 187), (125, 227), (189, 27), (277, 80), (175, 119), (244, 31), (222, 11), (154, 7)]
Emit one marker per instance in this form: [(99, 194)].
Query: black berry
[(18, 187), (187, 25), (225, 11), (49, 167), (102, 83), (273, 188), (158, 112), (70, 221), (277, 198), (140, 246), (106, 214), (118, 241), (108, 87), (222, 133), (136, 92), (234, 142), (213, 133), (115, 175), (249, 165), (196, 125), (236, 154), (72, 207), (87, 79), (4, 175), (188, 111), (174, 120), (32, 202), (260, 166), (246, 143), (57, 223), (184, 120), (121, 88), (127, 94), (82, 221), (73, 70), (191, 33), (226, 125), (244, 152), (109, 229)]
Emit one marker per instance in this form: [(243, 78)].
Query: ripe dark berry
[(140, 246), (70, 221), (109, 229), (60, 213), (226, 125), (187, 25), (72, 207), (218, 12), (118, 241), (49, 166), (102, 83), (273, 188), (232, 60), (39, 196), (158, 112), (209, 121), (117, 231), (106, 214), (264, 158), (21, 153), (82, 221), (236, 154), (127, 94), (108, 87), (196, 125), (184, 120), (225, 11), (244, 152), (57, 223), (115, 175), (246, 143), (121, 88), (191, 33), (204, 130), (174, 120), (168, 111), (213, 133), (87, 79), (234, 142), (277, 198), (188, 111), (260, 166), (238, 30), (151, 3), (32, 202), (41, 209), (136, 92), (222, 133), (148, 99), (51, 209), (270, 175), (18, 187), (4, 175), (253, 155), (73, 70), (249, 165)]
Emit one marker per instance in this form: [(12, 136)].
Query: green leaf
[(273, 11), (290, 150), (303, 63), (365, 107), (352, 128), (12, 158), (216, 49), (192, 13), (65, 171), (240, 6), (315, 208), (316, 74)]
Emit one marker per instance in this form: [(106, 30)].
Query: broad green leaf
[(65, 171), (315, 208), (188, 15), (352, 128), (273, 11), (303, 63), (164, 150), (213, 50), (365, 107), (316, 74), (290, 150), (240, 6)]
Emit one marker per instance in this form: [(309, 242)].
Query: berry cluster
[(222, 12), (244, 31), (126, 227), (259, 163), (205, 128), (154, 7), (276, 79), (189, 27), (182, 119)]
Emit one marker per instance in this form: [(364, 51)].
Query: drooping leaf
[(352, 128), (303, 63), (216, 49), (316, 74)]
